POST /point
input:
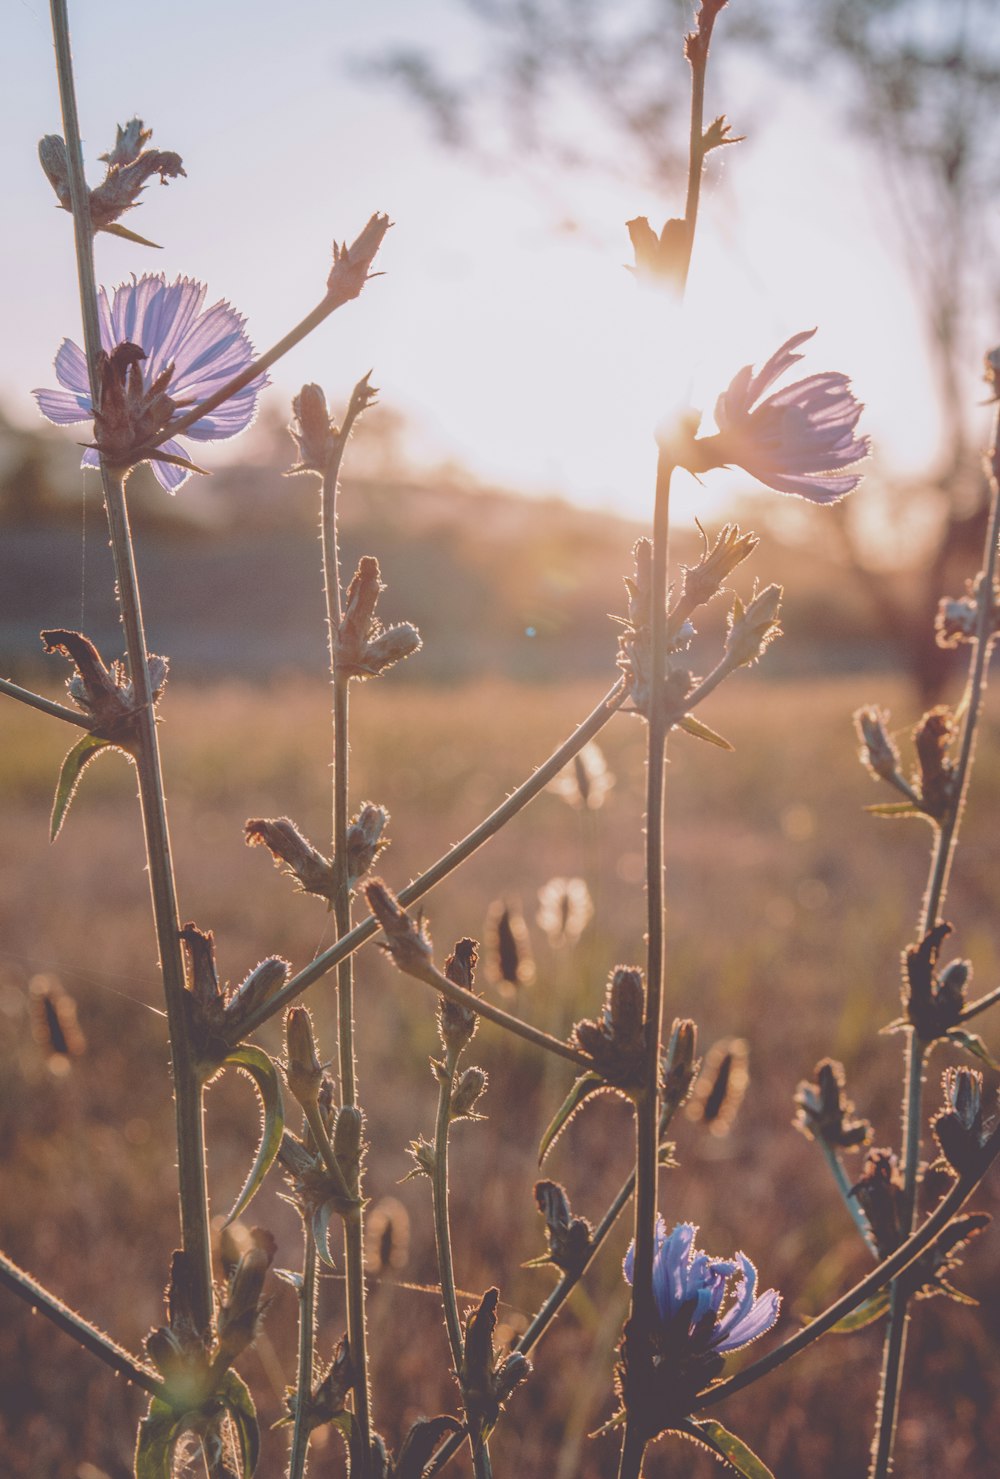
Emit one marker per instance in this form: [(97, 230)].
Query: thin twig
[(44, 705), (304, 1376)]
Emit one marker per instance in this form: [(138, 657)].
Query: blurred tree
[(920, 84)]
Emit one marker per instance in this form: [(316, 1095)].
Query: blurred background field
[(789, 908)]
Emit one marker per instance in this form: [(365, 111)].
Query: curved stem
[(515, 802), (25, 1287), (187, 1085), (307, 1338), (937, 887), (850, 1202)]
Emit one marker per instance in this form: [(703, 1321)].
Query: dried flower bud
[(407, 942), (104, 694), (286, 844), (202, 975), (467, 1093), (680, 1066), (130, 166), (352, 265), (486, 1382), (882, 1196), (934, 1003), (362, 649), (457, 1023), (877, 753), (958, 1127), (263, 982), (315, 434), (303, 1069), (754, 627), (365, 842), (349, 1144), (616, 1044), (569, 1237), (241, 1311), (720, 1090), (824, 1111), (391, 646), (706, 579), (935, 781)]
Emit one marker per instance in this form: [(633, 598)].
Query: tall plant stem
[(642, 1318), (307, 1340), (442, 1240), (187, 1083), (353, 1219), (937, 887)]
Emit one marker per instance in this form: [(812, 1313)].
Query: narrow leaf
[(258, 1065), (895, 809), (321, 1232), (866, 1314), (725, 1445), (973, 1044), (73, 767), (154, 1449), (235, 1395), (587, 1083), (117, 229), (695, 727)]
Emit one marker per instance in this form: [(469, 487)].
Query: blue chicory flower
[(689, 1288), (799, 439), (187, 355)]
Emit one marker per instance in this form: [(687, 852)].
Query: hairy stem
[(25, 1287), (187, 1085), (937, 887), (852, 1204), (44, 705), (307, 1340), (515, 802)]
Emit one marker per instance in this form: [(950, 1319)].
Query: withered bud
[(314, 433), (882, 1196), (569, 1237), (303, 1069), (362, 649), (202, 975), (933, 1003), (241, 1309), (457, 1023), (105, 694), (824, 1111), (392, 646), (407, 942), (352, 264), (130, 140), (365, 842), (286, 844), (958, 1127), (263, 982), (478, 1358), (423, 1156), (680, 1065), (660, 259), (466, 1094), (705, 580), (130, 166), (878, 753), (349, 1145), (753, 628), (616, 1044), (935, 779), (722, 1086)]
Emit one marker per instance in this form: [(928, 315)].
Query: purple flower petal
[(168, 474), (71, 370), (62, 407)]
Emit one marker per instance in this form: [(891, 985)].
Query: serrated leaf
[(895, 809), (698, 730), (725, 1445), (154, 1448), (235, 1396), (321, 1232), (587, 1083), (973, 1044), (259, 1066), (72, 769), (866, 1314), (117, 229)]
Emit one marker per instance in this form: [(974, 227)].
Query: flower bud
[(824, 1111), (348, 1144), (54, 161), (241, 1309), (392, 646), (882, 1196), (303, 1070), (877, 752), (680, 1067), (286, 844), (364, 841), (202, 975), (407, 942), (706, 579), (616, 1044), (754, 627), (569, 1237), (313, 431), (263, 982), (352, 265), (466, 1093), (457, 1023), (424, 1158)]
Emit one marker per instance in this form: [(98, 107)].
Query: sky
[(524, 352)]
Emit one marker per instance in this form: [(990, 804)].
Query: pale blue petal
[(71, 369), (62, 407)]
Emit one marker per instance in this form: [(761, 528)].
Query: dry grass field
[(788, 910)]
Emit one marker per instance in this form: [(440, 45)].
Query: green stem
[(894, 1351), (852, 1204), (44, 705), (515, 802), (187, 1084), (975, 1007), (25, 1287), (307, 1339)]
